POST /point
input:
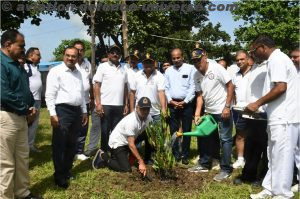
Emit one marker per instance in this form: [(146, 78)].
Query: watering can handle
[(212, 120)]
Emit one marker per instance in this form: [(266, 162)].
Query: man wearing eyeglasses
[(215, 89), (280, 98), (111, 94), (85, 68)]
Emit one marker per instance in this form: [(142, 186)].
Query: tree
[(58, 52), (279, 19)]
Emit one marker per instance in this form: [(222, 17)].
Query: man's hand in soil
[(142, 167)]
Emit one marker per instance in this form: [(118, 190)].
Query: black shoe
[(185, 161), (177, 160), (70, 177), (62, 183), (149, 162), (98, 161), (31, 196)]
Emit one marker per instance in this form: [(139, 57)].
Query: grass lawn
[(104, 183)]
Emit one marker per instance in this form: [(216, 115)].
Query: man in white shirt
[(240, 81), (132, 68), (33, 57), (214, 87), (149, 83), (283, 117), (122, 140), (248, 89), (84, 66), (180, 93), (67, 107), (111, 94)]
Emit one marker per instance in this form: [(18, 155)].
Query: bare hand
[(225, 113), (181, 104), (54, 121), (125, 111), (142, 168), (32, 115), (85, 119), (100, 110), (197, 120), (252, 107)]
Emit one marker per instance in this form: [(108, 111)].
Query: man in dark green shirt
[(16, 111)]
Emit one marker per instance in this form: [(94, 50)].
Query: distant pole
[(125, 30)]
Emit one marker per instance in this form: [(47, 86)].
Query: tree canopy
[(58, 52), (279, 19)]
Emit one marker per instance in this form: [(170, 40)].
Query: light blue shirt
[(180, 83)]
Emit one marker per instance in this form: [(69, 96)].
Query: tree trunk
[(93, 55), (124, 31)]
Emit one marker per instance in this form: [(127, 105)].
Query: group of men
[(260, 98)]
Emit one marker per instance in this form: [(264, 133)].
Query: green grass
[(104, 183)]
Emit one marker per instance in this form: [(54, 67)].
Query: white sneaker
[(216, 165), (81, 157), (295, 188), (261, 195), (280, 197), (239, 163)]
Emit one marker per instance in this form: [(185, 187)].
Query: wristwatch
[(227, 106)]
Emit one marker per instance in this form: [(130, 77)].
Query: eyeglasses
[(254, 50)]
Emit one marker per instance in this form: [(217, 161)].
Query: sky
[(53, 30)]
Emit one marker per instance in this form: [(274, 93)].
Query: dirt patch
[(184, 180)]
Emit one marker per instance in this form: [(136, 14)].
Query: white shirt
[(213, 87), (128, 126), (240, 83), (149, 87), (257, 75), (64, 86), (35, 81), (85, 69), (130, 75), (113, 80), (283, 109), (232, 70)]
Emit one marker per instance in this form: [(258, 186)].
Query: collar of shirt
[(144, 74), (241, 73), (138, 118), (67, 69), (8, 59), (113, 65)]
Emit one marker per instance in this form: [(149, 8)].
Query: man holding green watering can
[(214, 87)]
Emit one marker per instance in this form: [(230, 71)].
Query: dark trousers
[(181, 116), (207, 144), (119, 159), (112, 116), (83, 130), (64, 139), (255, 145)]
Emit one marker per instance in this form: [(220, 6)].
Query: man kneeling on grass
[(122, 140)]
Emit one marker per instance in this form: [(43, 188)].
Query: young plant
[(160, 138)]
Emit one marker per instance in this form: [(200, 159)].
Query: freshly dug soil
[(184, 181)]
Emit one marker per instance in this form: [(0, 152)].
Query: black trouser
[(119, 159), (185, 117), (112, 116), (64, 139), (255, 145), (83, 130)]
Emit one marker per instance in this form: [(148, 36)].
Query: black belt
[(68, 106), (177, 100), (10, 110)]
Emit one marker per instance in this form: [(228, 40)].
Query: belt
[(177, 100), (68, 106), (10, 110)]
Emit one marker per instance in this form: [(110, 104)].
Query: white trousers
[(278, 179), (295, 130)]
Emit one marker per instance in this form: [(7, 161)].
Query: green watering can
[(207, 126)]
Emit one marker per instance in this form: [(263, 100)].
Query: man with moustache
[(33, 57), (111, 94), (149, 83), (180, 92), (214, 87), (16, 112), (66, 104)]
